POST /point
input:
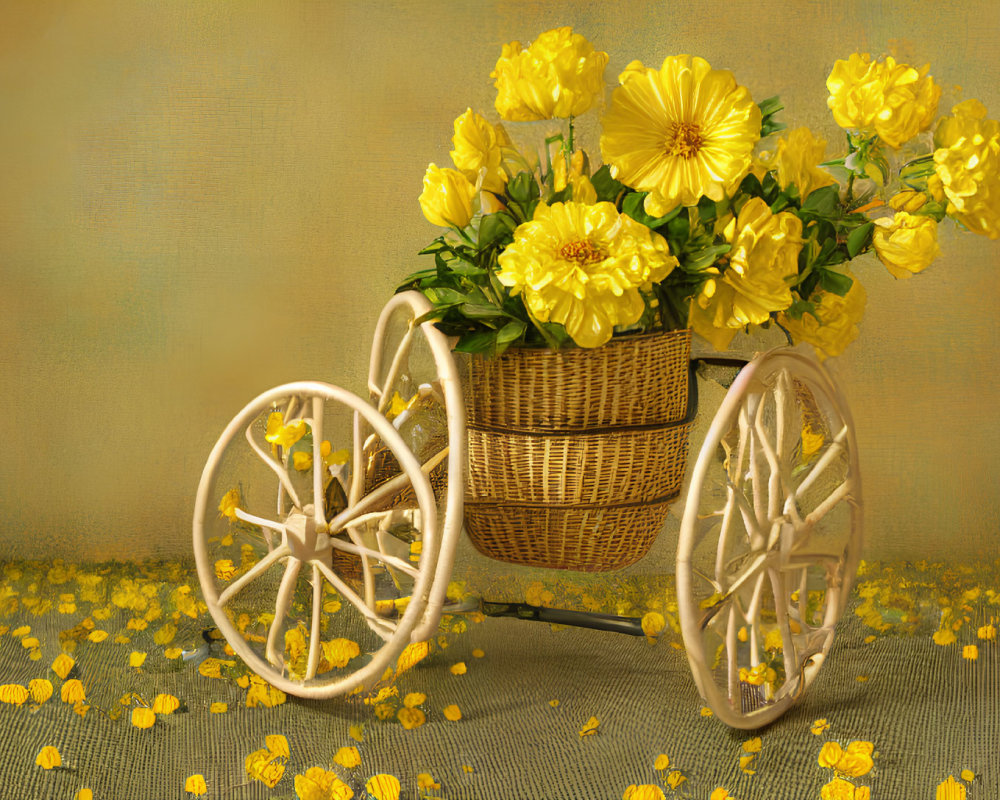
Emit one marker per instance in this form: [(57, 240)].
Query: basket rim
[(625, 338), (666, 499)]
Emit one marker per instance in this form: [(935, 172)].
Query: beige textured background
[(200, 200)]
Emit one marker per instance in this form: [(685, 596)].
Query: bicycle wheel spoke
[(275, 467), (314, 630), (253, 573), (282, 603), (380, 627), (836, 448)]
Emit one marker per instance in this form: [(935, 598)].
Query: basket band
[(665, 499)]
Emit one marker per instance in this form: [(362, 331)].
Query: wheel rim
[(770, 539)]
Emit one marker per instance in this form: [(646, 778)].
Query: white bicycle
[(325, 526)]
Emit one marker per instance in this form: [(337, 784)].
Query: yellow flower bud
[(558, 75), (796, 159), (447, 197), (478, 151), (905, 243), (908, 201)]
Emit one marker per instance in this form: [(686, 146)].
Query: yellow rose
[(967, 164), (796, 159), (584, 266), (895, 101), (762, 263), (478, 150), (837, 325), (447, 197), (906, 243), (560, 74)]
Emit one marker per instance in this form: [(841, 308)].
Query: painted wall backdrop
[(201, 200)]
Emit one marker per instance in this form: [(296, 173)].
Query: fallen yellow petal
[(653, 623), (84, 794), (477, 653), (675, 779), (457, 669), (277, 744), (136, 659), (13, 693), (662, 762), (414, 699), (165, 635), (72, 691), (347, 757), (950, 789), (411, 717), (97, 636), (425, 781), (41, 689), (21, 632), (452, 713), (48, 757), (195, 784), (383, 787), (173, 652), (589, 727), (647, 791), (944, 636), (219, 708), (357, 732), (143, 717), (752, 745), (970, 652), (819, 726), (554, 703), (165, 704), (706, 711), (29, 642)]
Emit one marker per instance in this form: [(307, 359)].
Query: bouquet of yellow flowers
[(706, 213)]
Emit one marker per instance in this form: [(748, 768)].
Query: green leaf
[(482, 342), (607, 188), (523, 190), (495, 227), (440, 295), (835, 282), (481, 311), (704, 258), (511, 332), (768, 110), (800, 307), (859, 239), (823, 202)]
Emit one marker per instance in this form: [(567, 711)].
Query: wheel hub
[(302, 536)]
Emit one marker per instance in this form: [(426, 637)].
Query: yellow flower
[(837, 325), (478, 151), (383, 787), (680, 132), (796, 160), (447, 198), (950, 789), (583, 267), (653, 624), (195, 784), (646, 791), (967, 163), (318, 784), (347, 757), (225, 569), (284, 435), (896, 101), (905, 243), (263, 765), (560, 74), (229, 503), (48, 757), (411, 717), (143, 717), (763, 262), (855, 761), (452, 713)]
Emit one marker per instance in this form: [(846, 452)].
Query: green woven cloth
[(929, 710)]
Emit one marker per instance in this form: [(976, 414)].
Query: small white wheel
[(770, 540), (317, 532)]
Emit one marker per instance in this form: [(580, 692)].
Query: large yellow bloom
[(796, 159), (447, 197), (967, 162), (906, 243), (896, 101), (680, 132), (583, 266), (478, 150), (558, 75), (763, 263), (837, 325)]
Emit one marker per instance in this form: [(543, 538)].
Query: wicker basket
[(576, 455)]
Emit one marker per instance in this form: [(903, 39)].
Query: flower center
[(684, 139), (582, 252)]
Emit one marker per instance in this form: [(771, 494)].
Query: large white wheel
[(770, 539), (317, 532)]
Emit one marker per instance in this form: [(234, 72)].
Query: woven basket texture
[(574, 456)]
